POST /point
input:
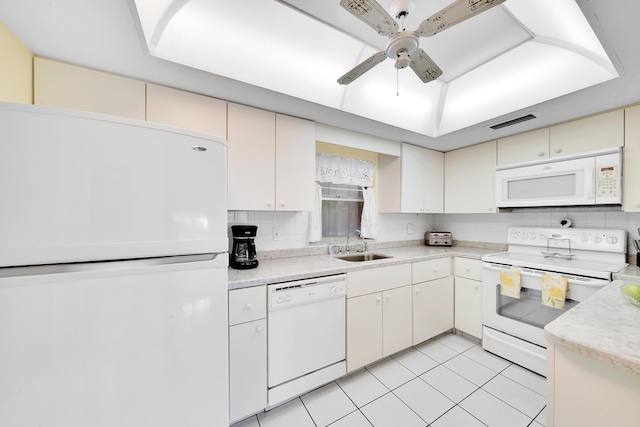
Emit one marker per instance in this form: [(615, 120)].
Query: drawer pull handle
[(258, 329), (417, 291), (248, 306), (388, 297), (378, 299)]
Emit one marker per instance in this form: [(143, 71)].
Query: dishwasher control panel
[(282, 295)]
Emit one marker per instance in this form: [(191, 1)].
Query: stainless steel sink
[(363, 257)]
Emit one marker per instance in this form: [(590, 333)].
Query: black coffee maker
[(243, 253)]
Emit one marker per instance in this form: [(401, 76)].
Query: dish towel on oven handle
[(555, 290), (510, 282)]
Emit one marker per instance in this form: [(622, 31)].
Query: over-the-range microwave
[(593, 178)]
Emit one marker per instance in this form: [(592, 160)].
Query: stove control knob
[(584, 238), (533, 236), (611, 240), (596, 239), (514, 234), (524, 235)]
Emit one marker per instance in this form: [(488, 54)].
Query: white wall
[(294, 227), (467, 227)]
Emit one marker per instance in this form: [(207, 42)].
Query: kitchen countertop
[(304, 267), (605, 327)]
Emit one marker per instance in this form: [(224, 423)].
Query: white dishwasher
[(306, 335)]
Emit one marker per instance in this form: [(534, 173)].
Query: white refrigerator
[(113, 272)]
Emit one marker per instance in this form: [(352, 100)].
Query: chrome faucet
[(359, 234)]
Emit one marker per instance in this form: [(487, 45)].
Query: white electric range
[(514, 328)]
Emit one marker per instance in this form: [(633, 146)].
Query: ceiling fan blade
[(371, 13), (424, 66), (453, 14), (363, 67)]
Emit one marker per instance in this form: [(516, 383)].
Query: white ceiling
[(106, 35)]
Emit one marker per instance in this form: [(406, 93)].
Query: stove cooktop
[(588, 252), (578, 267)]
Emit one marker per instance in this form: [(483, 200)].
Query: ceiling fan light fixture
[(403, 60)]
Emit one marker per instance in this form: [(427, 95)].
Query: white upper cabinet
[(56, 84), (591, 133), (412, 183), (251, 158), (271, 161), (295, 164), (470, 179), (186, 110), (422, 188), (524, 147), (631, 160)]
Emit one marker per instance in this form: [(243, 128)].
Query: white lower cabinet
[(247, 369), (468, 296), (378, 325), (432, 308), (396, 320), (247, 352), (364, 330), (378, 314), (432, 298)]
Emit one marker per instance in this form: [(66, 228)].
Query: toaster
[(438, 238)]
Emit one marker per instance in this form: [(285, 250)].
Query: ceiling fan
[(403, 45)]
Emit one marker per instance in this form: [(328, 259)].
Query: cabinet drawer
[(424, 271), (377, 279), (246, 305), (469, 268)]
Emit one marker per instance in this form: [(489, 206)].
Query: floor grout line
[(414, 376)]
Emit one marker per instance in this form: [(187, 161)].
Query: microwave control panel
[(607, 181)]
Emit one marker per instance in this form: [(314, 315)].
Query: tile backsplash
[(292, 227)]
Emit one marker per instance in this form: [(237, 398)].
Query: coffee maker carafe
[(243, 252)]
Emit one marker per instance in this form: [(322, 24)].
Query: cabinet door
[(631, 160), (247, 369), (422, 184), (251, 158), (597, 132), (524, 147), (432, 308), (295, 164), (470, 179), (186, 110), (396, 320), (468, 306), (364, 330), (61, 85)]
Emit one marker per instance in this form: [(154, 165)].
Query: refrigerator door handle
[(214, 259)]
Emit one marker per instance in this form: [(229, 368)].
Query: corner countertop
[(304, 267), (605, 327)]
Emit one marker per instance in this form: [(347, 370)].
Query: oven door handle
[(590, 282)]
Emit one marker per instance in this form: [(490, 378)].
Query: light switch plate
[(410, 228)]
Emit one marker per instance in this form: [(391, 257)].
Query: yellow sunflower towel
[(554, 290), (510, 283)]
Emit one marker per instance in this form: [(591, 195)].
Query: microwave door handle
[(590, 183)]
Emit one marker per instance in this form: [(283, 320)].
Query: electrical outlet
[(409, 228), (276, 233)]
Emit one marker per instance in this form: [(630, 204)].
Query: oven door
[(525, 318)]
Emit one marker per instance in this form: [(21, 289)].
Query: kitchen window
[(345, 199), (341, 209)]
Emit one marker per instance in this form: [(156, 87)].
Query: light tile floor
[(449, 381)]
